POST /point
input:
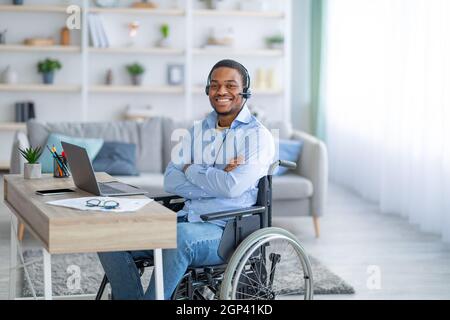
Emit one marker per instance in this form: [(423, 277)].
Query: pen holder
[(59, 172)]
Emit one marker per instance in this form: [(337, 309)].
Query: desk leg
[(13, 261), (159, 282), (47, 275)]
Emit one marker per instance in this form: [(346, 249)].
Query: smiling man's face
[(225, 86)]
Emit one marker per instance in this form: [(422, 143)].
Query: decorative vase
[(163, 43), (32, 171), (9, 76), (48, 77), (136, 79)]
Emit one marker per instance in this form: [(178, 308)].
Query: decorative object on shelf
[(138, 113), (48, 67), (254, 5), (214, 4), (24, 111), (17, 2), (133, 28), (39, 42), (165, 31), (144, 4), (9, 76), (65, 36), (271, 80), (275, 41), (3, 36), (109, 79), (136, 72), (220, 37), (106, 3), (175, 74), (32, 169), (260, 81)]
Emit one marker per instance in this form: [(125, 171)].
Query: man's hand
[(234, 163), (186, 166)]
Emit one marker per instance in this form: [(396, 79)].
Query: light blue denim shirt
[(206, 187)]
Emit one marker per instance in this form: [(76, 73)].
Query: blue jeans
[(197, 245)]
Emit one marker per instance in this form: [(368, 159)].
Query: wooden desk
[(65, 230)]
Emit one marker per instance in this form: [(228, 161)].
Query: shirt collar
[(243, 117)]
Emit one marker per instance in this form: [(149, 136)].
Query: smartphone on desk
[(52, 192)]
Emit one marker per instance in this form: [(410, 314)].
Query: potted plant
[(136, 71), (47, 67), (275, 41), (32, 169), (213, 4), (165, 31)]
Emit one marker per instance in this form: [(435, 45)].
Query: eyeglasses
[(109, 204)]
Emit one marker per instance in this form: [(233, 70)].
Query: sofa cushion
[(91, 145), (291, 186), (146, 135), (116, 158), (151, 182)]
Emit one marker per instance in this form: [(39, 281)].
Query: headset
[(246, 92)]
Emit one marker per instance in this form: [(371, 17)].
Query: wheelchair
[(262, 262)]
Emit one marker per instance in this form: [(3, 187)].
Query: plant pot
[(48, 77), (136, 80), (18, 2), (163, 43), (32, 171)]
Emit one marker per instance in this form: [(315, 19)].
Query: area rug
[(82, 273)]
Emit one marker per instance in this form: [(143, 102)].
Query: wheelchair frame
[(245, 228)]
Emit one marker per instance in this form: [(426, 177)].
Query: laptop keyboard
[(107, 189)]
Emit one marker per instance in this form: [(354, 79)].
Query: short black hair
[(228, 63)]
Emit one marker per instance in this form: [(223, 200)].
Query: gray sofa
[(300, 193)]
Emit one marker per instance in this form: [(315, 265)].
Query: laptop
[(84, 177)]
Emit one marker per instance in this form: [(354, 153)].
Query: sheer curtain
[(387, 89)]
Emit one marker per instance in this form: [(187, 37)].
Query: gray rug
[(82, 274)]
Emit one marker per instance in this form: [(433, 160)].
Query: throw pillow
[(289, 150), (91, 145), (117, 159)]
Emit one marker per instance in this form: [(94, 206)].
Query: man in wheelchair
[(219, 174)]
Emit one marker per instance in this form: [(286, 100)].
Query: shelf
[(136, 89), (33, 8), (237, 13), (164, 51), (25, 48), (12, 126), (39, 87), (159, 12), (240, 52), (201, 90)]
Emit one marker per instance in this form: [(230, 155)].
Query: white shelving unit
[(84, 87)]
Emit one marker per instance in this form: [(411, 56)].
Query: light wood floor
[(354, 236)]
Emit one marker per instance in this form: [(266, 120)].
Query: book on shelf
[(99, 38), (24, 111)]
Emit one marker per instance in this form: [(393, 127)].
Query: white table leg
[(159, 282), (13, 260), (47, 275)]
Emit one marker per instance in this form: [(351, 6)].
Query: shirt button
[(190, 193)]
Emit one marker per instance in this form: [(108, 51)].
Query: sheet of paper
[(125, 204)]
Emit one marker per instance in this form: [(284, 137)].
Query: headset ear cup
[(207, 90)]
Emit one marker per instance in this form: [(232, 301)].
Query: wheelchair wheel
[(269, 264)]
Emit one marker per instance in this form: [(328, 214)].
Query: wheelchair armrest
[(171, 202), (232, 213), (167, 198)]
